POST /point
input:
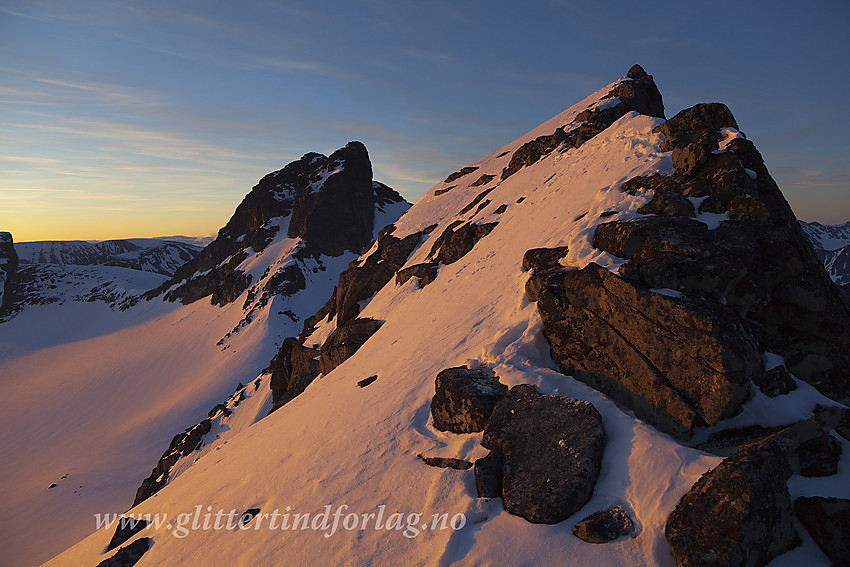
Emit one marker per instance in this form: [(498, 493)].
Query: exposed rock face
[(738, 513), (457, 240), (464, 399), (345, 341), (676, 362), (8, 272), (128, 555), (757, 260), (605, 526), (828, 522), (819, 456), (425, 273), (329, 203), (460, 173), (637, 94), (552, 449)]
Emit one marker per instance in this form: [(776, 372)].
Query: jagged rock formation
[(128, 555), (832, 246), (732, 263), (327, 202), (8, 273), (552, 451)]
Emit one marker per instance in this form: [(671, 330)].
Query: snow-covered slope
[(339, 448), (102, 379)]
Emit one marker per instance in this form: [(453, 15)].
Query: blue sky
[(127, 119)]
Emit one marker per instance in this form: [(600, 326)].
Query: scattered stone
[(248, 515), (439, 192), (605, 526), (819, 456), (488, 475), (54, 485), (607, 214), (446, 462), (478, 198), (128, 555), (520, 200), (127, 527), (552, 448), (501, 209), (738, 513), (366, 381), (464, 399), (775, 382), (828, 522)]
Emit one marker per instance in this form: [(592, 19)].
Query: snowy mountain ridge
[(516, 267)]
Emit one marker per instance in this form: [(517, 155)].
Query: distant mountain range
[(832, 245)]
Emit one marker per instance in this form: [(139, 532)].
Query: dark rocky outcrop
[(738, 513), (552, 448), (464, 399), (330, 202), (366, 381), (605, 526), (488, 475), (819, 456), (775, 382), (539, 260), (828, 522), (638, 93), (248, 515), (8, 273), (446, 463), (127, 527), (295, 366), (425, 272), (457, 240), (758, 262), (460, 173), (128, 555), (675, 362)]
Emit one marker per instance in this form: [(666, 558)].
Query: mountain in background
[(832, 245), (609, 340)]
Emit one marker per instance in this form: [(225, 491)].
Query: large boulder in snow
[(738, 513), (8, 272), (828, 522), (552, 448), (675, 362), (742, 248), (464, 399), (605, 526)]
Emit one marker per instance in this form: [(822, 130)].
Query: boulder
[(675, 362), (819, 456), (738, 513), (488, 475), (605, 526), (775, 382), (552, 448), (539, 260), (464, 399), (828, 522)]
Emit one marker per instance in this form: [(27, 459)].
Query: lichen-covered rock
[(819, 456), (675, 362), (828, 522), (552, 448), (464, 399), (738, 513), (605, 526)]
